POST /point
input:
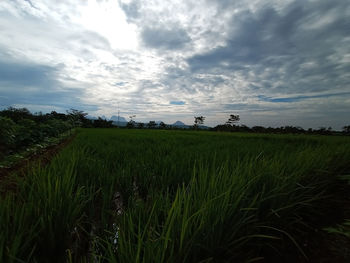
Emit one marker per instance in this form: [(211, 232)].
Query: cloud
[(268, 61), (121, 83), (91, 39), (35, 84), (15, 74), (131, 9), (174, 38), (271, 38), (280, 52), (300, 98)]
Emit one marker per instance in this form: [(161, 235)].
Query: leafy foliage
[(199, 120), (162, 125), (101, 123), (233, 119), (7, 131), (346, 129), (151, 124), (20, 129)]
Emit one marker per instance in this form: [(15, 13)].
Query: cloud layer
[(274, 63)]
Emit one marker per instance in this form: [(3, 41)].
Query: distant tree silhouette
[(56, 115), (346, 130), (233, 119), (16, 114), (229, 125), (102, 123), (77, 117), (324, 131), (162, 125), (198, 121), (131, 122), (151, 124)]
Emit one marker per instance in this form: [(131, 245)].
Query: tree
[(198, 121), (16, 114), (102, 123), (151, 124), (162, 125), (233, 119), (131, 123), (346, 129), (56, 115), (77, 117)]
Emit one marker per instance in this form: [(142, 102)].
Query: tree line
[(230, 126), (20, 128)]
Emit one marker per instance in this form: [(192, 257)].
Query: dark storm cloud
[(300, 98), (17, 74), (299, 45), (164, 38), (35, 84)]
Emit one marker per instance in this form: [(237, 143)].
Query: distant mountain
[(91, 117), (115, 119), (120, 123), (179, 124)]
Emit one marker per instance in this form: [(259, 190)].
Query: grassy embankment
[(176, 196)]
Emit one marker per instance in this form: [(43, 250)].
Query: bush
[(25, 131), (16, 114), (7, 131)]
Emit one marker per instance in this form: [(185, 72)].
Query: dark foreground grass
[(175, 196)]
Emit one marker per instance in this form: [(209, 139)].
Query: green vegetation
[(121, 195), (21, 130)]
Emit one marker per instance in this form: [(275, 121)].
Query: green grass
[(186, 196)]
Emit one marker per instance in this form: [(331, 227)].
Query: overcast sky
[(274, 62)]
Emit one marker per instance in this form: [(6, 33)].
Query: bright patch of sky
[(273, 62)]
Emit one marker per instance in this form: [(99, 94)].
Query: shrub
[(25, 132), (7, 131)]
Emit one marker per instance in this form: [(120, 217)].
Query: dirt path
[(44, 156)]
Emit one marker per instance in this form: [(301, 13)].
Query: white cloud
[(216, 56)]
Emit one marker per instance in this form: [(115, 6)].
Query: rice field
[(118, 195)]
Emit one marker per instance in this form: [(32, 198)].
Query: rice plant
[(117, 195)]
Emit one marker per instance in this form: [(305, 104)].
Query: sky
[(275, 63)]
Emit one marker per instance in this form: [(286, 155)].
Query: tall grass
[(185, 197)]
